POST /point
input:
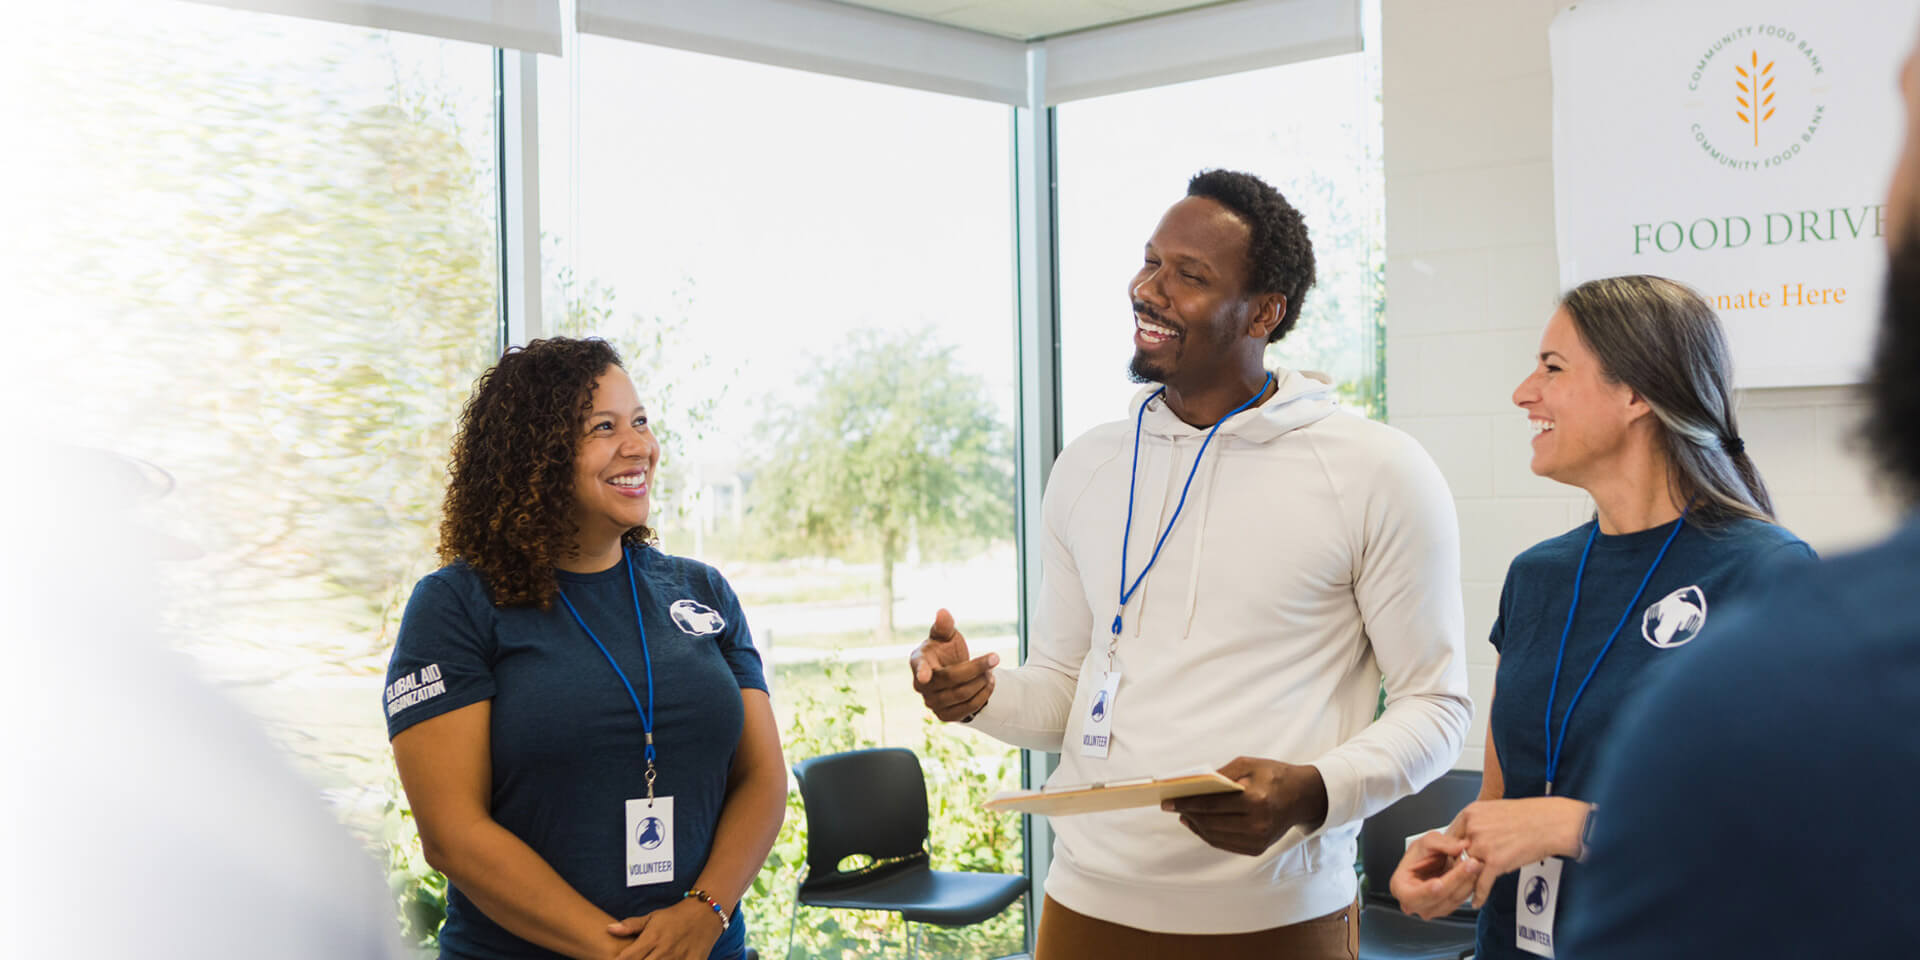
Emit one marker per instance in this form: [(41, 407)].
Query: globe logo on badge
[(1100, 706), (1537, 896), (651, 833)]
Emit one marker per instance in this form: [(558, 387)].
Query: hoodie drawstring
[(1200, 538), (1160, 523)]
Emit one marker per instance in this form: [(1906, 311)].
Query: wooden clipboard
[(1115, 795)]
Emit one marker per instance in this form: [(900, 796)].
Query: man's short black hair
[(1892, 428), (1279, 254)]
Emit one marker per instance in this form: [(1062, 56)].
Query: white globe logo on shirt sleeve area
[(696, 618), (1676, 619)]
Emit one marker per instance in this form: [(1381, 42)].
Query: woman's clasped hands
[(685, 931), (1490, 838)]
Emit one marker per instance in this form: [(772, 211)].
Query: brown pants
[(1066, 935)]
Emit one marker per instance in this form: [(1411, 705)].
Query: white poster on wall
[(1742, 147)]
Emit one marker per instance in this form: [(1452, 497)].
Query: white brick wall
[(1472, 276)]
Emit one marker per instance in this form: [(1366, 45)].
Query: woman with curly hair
[(580, 721)]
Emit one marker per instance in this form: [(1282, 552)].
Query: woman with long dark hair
[(581, 722), (1631, 400)]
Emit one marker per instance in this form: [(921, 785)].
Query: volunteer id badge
[(1538, 898), (1096, 732), (649, 841)]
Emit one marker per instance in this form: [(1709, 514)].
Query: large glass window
[(812, 280), (1311, 129), (266, 263)]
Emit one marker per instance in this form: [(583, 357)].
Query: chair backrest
[(1383, 838), (863, 802)]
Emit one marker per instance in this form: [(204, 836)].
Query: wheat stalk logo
[(1757, 85)]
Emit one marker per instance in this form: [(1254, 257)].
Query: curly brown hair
[(509, 506)]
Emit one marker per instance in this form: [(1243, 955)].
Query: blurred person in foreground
[(146, 814), (1230, 574), (1631, 400), (581, 722), (1761, 800)]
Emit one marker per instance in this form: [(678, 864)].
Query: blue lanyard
[(1554, 752), (1126, 592), (646, 712)]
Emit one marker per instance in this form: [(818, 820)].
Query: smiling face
[(1581, 420), (613, 470), (1192, 316)]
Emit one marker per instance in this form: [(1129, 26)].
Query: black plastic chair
[(1385, 932), (873, 804)]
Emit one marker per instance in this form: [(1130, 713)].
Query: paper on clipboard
[(1068, 799)]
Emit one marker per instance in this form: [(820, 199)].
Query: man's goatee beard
[(1141, 370)]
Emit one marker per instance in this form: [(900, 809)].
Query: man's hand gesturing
[(954, 687)]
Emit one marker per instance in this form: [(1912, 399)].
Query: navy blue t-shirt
[(1703, 569), (1760, 801), (568, 746)]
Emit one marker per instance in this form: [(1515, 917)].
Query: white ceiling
[(1030, 19)]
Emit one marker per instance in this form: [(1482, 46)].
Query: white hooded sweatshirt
[(1318, 552)]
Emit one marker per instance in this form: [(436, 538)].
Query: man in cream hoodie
[(1229, 574)]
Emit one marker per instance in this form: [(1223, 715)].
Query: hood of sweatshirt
[(1300, 400)]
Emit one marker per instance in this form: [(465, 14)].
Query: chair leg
[(913, 942), (791, 920)]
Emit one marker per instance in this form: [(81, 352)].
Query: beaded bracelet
[(702, 896)]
